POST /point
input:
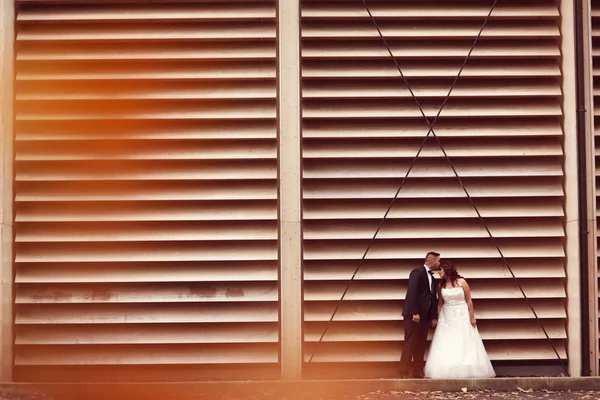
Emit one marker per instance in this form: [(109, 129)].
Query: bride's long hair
[(450, 271)]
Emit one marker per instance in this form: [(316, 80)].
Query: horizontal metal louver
[(146, 191), (361, 128)]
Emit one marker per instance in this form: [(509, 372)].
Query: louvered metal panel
[(146, 191), (361, 128)]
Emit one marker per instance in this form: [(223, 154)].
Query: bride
[(456, 350)]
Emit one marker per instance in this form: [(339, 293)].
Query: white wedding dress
[(457, 350)]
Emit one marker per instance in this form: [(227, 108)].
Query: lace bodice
[(454, 309), (453, 296)]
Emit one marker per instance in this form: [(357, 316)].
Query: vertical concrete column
[(7, 38), (571, 184), (290, 193)]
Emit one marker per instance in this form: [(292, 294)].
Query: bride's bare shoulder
[(462, 282)]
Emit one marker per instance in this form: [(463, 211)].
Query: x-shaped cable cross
[(431, 131)]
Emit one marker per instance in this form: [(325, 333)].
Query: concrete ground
[(484, 395), (377, 395), (383, 389)]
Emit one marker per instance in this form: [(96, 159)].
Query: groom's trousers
[(415, 342)]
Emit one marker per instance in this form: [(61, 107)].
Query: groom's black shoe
[(419, 375)]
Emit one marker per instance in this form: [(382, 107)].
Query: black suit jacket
[(420, 299)]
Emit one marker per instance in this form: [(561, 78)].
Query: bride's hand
[(474, 322)]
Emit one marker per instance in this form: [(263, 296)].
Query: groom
[(420, 312)]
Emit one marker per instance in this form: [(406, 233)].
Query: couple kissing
[(456, 350)]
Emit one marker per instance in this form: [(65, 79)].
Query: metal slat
[(149, 211), (158, 130), (213, 353), (105, 315), (237, 110), (394, 331), (387, 168), (360, 29), (151, 251), (440, 10), (374, 311), (146, 232), (455, 50), (390, 149), (148, 150), (123, 51), (118, 170), (432, 208), (386, 89), (153, 334), (429, 229), (85, 191), (393, 290), (144, 91), (221, 271), (237, 10), (392, 351), (170, 70), (452, 248), (340, 270), (444, 128), (447, 188), (78, 31), (80, 293), (456, 109), (415, 69)]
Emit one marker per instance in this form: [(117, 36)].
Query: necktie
[(432, 280)]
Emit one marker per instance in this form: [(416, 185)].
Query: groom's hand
[(433, 323), (416, 318)]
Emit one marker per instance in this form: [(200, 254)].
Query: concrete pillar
[(570, 189), (290, 194), (7, 35)]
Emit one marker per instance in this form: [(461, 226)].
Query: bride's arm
[(440, 299), (467, 290)]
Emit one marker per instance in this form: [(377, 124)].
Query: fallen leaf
[(525, 390), (464, 390)]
